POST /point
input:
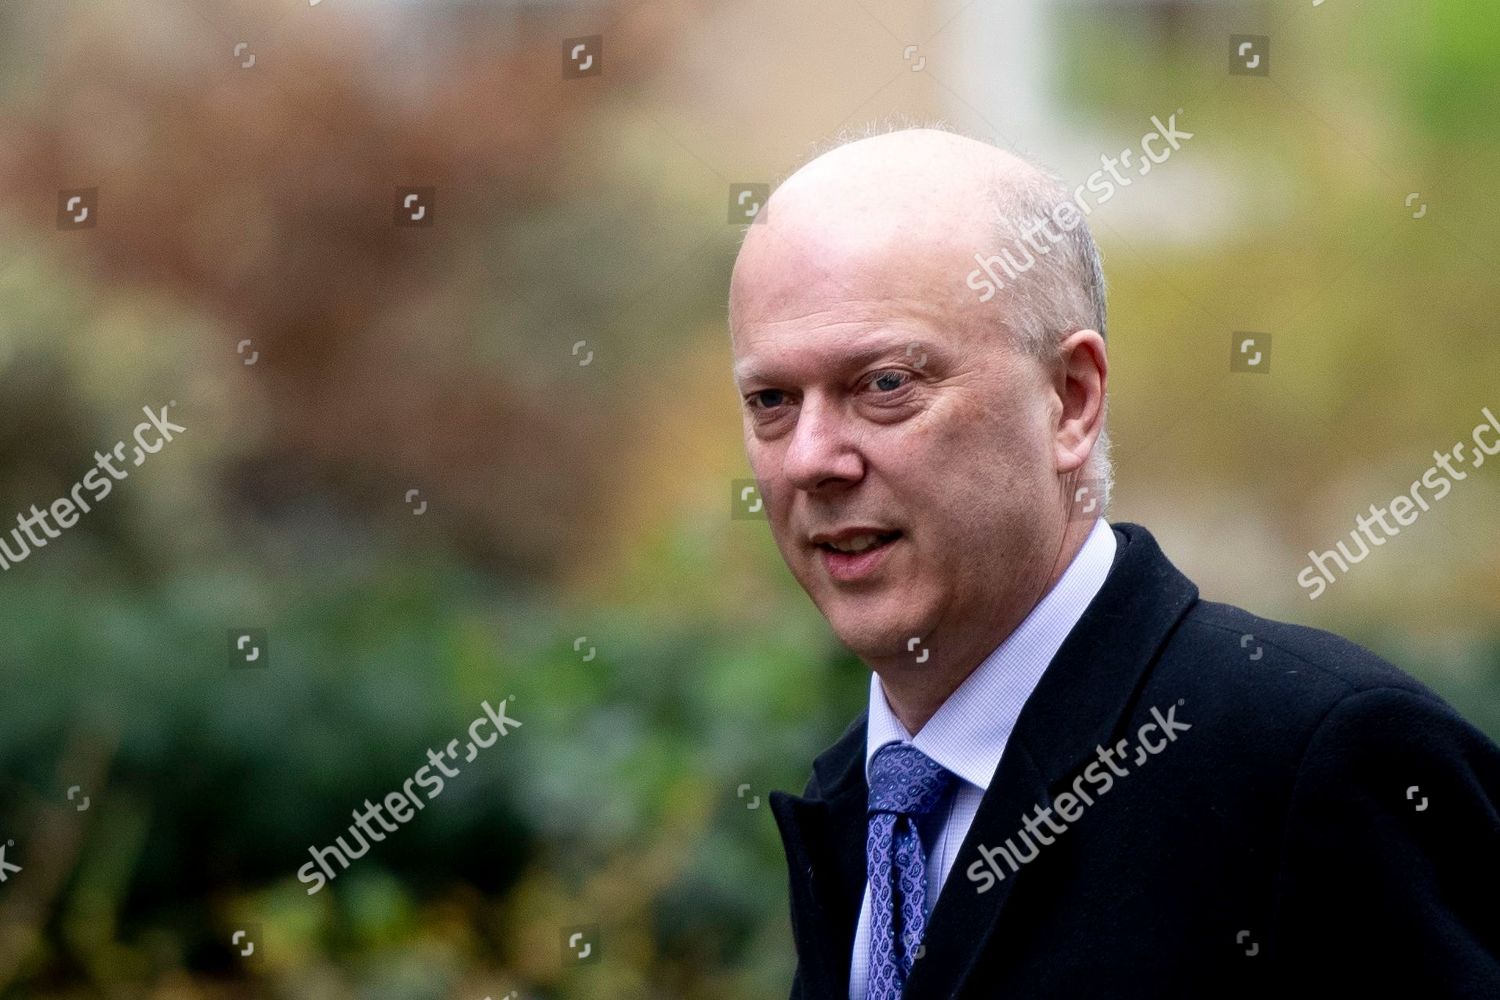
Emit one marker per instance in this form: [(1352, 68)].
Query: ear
[(1081, 379)]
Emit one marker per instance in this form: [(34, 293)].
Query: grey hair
[(1060, 290)]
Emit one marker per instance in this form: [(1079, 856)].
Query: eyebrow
[(745, 372)]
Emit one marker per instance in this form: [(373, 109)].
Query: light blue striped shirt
[(968, 732)]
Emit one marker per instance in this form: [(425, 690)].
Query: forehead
[(814, 303), (867, 246)]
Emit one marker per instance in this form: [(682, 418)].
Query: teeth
[(856, 544)]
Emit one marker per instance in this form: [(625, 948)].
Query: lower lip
[(848, 566)]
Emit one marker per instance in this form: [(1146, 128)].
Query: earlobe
[(1071, 459), (1073, 451)]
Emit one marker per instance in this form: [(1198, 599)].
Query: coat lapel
[(1083, 698), (824, 836)]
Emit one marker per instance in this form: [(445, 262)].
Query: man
[(1074, 778)]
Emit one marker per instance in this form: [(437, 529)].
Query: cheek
[(963, 482), (764, 460), (1004, 441), (777, 495)]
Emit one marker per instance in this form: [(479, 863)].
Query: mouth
[(856, 555)]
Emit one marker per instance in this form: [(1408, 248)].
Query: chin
[(870, 635)]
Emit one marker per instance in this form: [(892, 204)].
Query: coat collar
[(1079, 704)]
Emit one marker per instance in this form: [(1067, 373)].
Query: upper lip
[(844, 534)]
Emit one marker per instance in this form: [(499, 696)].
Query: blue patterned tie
[(904, 784)]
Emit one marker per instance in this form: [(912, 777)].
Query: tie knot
[(905, 780)]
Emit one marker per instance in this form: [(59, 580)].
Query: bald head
[(945, 202)]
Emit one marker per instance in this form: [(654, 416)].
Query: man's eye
[(888, 381), (760, 401)]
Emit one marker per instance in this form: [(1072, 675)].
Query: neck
[(916, 692)]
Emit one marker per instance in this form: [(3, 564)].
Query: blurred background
[(491, 454)]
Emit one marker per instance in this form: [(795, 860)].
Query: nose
[(823, 451)]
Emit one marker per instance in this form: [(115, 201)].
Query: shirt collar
[(968, 733)]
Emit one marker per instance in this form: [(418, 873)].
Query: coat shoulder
[(1272, 673)]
